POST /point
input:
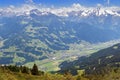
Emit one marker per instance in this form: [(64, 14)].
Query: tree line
[(23, 69)]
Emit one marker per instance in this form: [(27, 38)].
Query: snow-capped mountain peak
[(74, 10)]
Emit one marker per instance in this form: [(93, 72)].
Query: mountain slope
[(109, 57), (36, 34)]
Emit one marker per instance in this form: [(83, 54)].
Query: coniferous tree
[(34, 70), (24, 69), (13, 68)]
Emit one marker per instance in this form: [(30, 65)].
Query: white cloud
[(99, 5), (29, 1), (108, 2), (76, 5), (11, 6)]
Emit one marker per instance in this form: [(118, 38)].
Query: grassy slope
[(7, 75)]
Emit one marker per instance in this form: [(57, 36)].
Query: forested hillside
[(96, 62)]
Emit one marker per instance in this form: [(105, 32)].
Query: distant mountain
[(109, 57), (74, 10), (28, 34)]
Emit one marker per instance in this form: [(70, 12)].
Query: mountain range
[(32, 33)]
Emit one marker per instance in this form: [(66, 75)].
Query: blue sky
[(60, 2)]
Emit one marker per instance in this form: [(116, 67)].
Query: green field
[(75, 51)]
